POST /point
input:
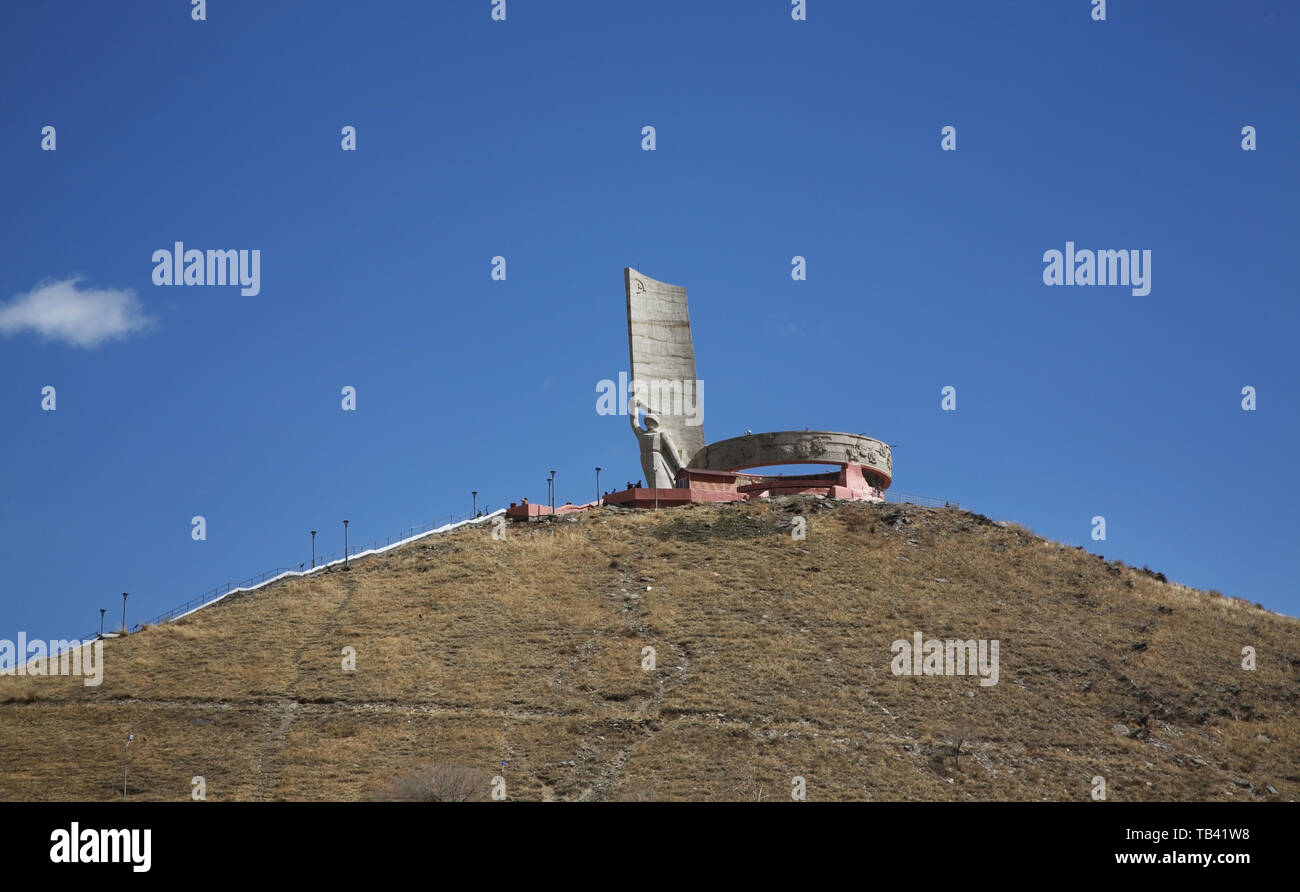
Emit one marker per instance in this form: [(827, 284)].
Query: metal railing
[(924, 501), (208, 597), (401, 536), (321, 561)]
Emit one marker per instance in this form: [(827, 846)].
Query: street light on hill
[(345, 545)]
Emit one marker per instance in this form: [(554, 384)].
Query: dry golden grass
[(773, 660)]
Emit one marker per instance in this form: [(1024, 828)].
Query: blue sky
[(522, 139)]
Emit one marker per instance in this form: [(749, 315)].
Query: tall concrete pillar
[(663, 375)]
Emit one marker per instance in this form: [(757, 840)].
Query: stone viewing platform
[(717, 472)]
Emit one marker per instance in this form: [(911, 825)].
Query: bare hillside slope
[(772, 660)]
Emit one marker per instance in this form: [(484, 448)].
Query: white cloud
[(83, 317)]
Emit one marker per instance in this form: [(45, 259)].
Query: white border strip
[(434, 532)]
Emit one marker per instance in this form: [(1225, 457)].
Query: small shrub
[(28, 696), (1159, 577), (855, 521), (961, 734), (439, 783)]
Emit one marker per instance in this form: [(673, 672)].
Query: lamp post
[(123, 613), (313, 549), (552, 491), (345, 545), (597, 484), (101, 622), (126, 761), (474, 493)]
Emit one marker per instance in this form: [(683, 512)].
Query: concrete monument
[(662, 361), (679, 466), (660, 458), (666, 413)]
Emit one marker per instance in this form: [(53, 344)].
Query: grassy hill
[(773, 660)]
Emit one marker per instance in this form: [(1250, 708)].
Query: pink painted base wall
[(723, 486)]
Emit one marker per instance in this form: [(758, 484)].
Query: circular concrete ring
[(796, 448)]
